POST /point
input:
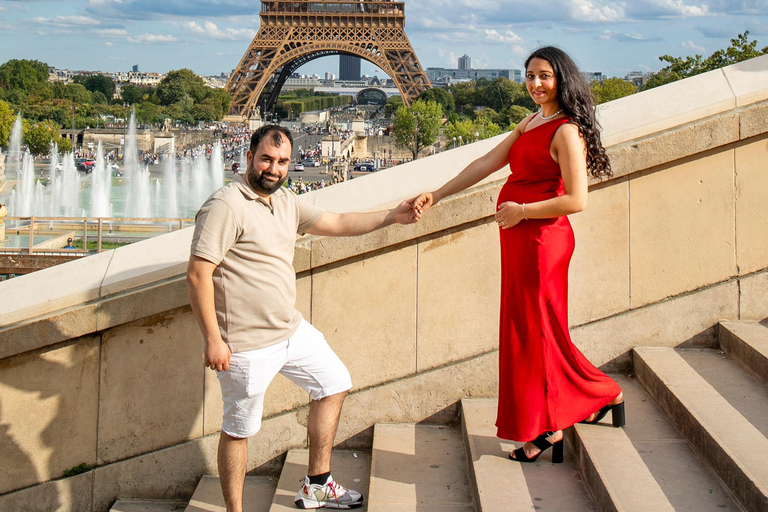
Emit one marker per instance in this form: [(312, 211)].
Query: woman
[(545, 383)]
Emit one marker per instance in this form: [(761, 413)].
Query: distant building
[(638, 78), (591, 76), (135, 68), (295, 82), (465, 63), (445, 76), (349, 67)]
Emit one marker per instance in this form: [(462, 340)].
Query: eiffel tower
[(294, 33)]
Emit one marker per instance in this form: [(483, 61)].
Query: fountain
[(176, 192)]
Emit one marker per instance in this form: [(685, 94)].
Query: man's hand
[(405, 213), (217, 355)]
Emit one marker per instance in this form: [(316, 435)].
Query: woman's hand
[(422, 203), (509, 214)]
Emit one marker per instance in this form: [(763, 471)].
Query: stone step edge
[(252, 483), (746, 347), (735, 473), (487, 476), (598, 450), (160, 505)]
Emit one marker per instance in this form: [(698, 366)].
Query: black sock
[(319, 479)]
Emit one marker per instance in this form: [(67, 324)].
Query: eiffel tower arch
[(294, 33)]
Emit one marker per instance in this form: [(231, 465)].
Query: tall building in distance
[(465, 62), (349, 67), (135, 68)]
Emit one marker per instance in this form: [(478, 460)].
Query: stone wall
[(101, 360)]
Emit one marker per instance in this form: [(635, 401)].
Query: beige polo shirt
[(252, 244)]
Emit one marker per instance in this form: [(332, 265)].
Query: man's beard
[(261, 184)]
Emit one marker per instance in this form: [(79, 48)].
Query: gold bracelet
[(524, 215)]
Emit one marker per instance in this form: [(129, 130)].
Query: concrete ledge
[(747, 343), (734, 448), (681, 142), (614, 472)]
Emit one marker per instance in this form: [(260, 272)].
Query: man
[(242, 289)]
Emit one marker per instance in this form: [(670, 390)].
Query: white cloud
[(65, 21), (678, 7), (693, 46), (508, 37), (151, 38), (108, 44), (3, 8), (111, 32), (211, 30), (584, 10), (102, 2)]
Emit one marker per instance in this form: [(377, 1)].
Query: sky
[(211, 36)]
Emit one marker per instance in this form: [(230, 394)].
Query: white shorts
[(305, 358)]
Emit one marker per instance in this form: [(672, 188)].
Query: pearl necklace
[(547, 118)]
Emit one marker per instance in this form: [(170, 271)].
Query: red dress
[(545, 382)]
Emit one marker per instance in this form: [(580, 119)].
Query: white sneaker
[(330, 495)]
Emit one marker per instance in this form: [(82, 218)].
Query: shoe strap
[(541, 442)]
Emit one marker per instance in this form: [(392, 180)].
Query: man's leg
[(232, 458), (323, 423)]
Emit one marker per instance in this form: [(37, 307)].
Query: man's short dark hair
[(268, 130)]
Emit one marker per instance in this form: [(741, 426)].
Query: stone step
[(747, 343), (137, 505), (735, 449), (647, 465), (350, 468), (501, 485), (257, 494), (418, 467)]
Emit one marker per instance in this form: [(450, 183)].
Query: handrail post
[(98, 242), (85, 234), (31, 234)]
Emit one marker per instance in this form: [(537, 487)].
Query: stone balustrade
[(101, 358)]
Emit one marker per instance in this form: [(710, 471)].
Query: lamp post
[(125, 128), (477, 136), (454, 143), (459, 140)]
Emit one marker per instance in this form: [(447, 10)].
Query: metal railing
[(124, 228)]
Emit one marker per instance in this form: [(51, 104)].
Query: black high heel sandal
[(617, 415), (542, 444)]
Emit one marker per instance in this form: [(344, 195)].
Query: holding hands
[(508, 215)]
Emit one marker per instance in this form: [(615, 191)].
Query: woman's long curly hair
[(577, 103)]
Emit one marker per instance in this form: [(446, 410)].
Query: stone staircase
[(696, 440)]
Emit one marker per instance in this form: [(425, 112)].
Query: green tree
[(97, 83), (611, 89), (417, 126), (22, 74), (514, 115), (392, 105), (7, 118), (464, 96), (77, 93), (460, 130), (677, 68), (440, 96), (41, 135), (132, 94), (181, 86)]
